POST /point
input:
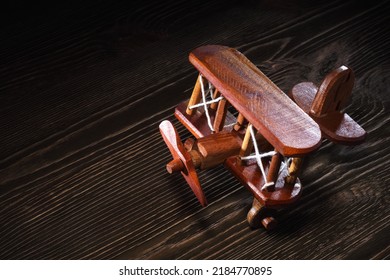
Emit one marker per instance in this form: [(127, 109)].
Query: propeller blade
[(172, 139)]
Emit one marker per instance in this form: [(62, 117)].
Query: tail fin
[(334, 92)]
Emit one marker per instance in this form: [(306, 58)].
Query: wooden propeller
[(182, 160)]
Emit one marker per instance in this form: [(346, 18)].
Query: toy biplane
[(241, 119)]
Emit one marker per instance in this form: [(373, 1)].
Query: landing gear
[(259, 215)]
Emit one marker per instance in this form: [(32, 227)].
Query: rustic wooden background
[(82, 165)]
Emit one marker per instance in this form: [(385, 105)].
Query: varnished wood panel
[(258, 99), (82, 163)]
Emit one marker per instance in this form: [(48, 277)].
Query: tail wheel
[(182, 160)]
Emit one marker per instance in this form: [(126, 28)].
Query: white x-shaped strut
[(259, 156), (204, 102)]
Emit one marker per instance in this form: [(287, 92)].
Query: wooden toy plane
[(265, 139)]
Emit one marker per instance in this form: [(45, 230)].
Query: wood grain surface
[(258, 99), (84, 86)]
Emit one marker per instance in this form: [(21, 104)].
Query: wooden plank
[(260, 101), (82, 163)]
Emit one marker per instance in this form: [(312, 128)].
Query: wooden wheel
[(182, 160), (259, 215)]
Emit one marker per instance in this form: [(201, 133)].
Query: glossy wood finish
[(197, 123), (274, 168), (258, 99), (325, 105), (248, 174), (82, 164), (216, 148), (334, 92), (195, 97), (220, 115), (172, 139), (259, 215)]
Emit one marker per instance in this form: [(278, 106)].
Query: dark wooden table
[(82, 164)]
